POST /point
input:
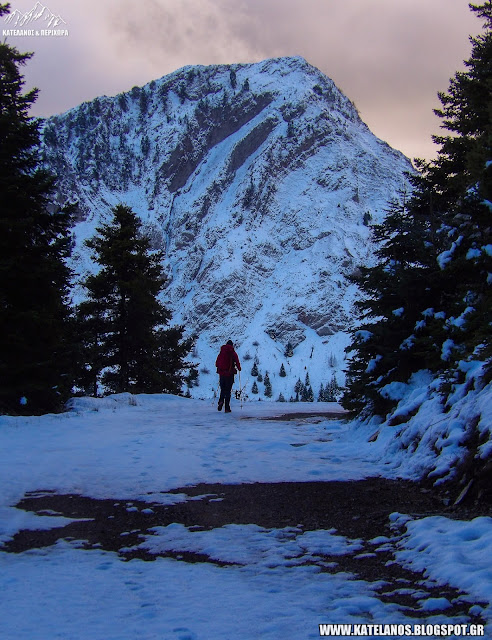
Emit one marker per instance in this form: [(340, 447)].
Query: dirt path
[(357, 510)]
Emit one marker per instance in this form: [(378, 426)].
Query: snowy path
[(231, 560)]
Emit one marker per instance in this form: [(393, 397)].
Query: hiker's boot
[(227, 409), (219, 406)]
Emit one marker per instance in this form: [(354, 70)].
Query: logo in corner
[(39, 21)]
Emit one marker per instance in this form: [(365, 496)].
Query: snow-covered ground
[(140, 448)]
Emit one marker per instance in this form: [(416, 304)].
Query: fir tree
[(332, 361), (122, 101), (332, 390), (254, 388), (289, 350), (122, 323), (303, 396), (462, 186), (144, 103), (307, 394), (183, 95), (254, 369), (321, 394), (428, 301), (92, 322), (192, 379), (35, 351), (395, 292), (282, 373), (298, 387), (268, 386)]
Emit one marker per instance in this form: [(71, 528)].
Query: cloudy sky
[(390, 57)]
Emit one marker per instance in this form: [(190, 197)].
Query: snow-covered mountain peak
[(259, 181)]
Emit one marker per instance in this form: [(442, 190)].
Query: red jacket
[(227, 361)]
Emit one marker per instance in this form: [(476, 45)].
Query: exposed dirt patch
[(357, 510)]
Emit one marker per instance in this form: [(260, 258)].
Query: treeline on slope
[(119, 337), (427, 303)]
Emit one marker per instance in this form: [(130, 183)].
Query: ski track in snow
[(140, 448)]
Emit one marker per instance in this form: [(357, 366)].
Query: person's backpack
[(225, 361)]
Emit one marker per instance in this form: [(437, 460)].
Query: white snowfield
[(139, 448)]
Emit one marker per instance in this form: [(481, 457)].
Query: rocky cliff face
[(257, 180)]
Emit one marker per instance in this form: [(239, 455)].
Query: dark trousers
[(226, 383)]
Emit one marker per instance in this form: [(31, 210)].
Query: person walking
[(227, 364)]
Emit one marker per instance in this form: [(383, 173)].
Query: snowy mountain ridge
[(258, 180)]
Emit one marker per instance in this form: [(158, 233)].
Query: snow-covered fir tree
[(428, 302), (289, 350)]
